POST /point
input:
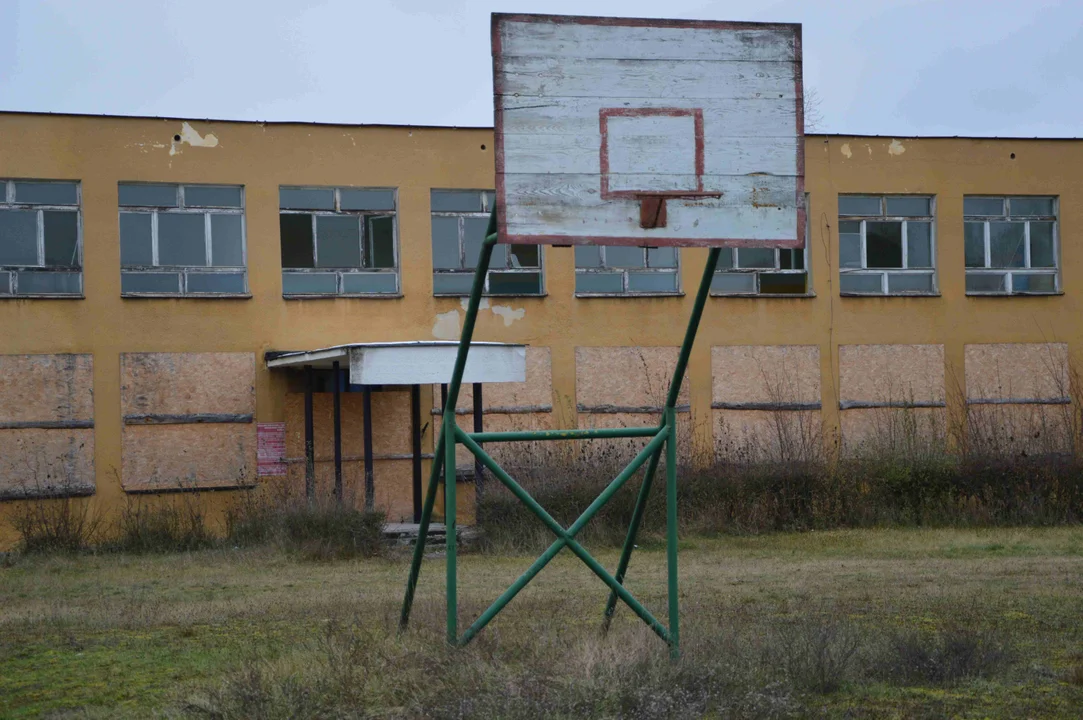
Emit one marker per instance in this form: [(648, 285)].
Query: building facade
[(148, 266)]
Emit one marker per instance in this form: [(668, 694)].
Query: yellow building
[(150, 267)]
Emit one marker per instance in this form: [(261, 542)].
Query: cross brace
[(451, 435)]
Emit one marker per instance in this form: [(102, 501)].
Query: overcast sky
[(890, 67)]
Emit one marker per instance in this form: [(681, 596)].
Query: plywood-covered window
[(182, 240), (338, 242), (626, 270), (887, 245), (41, 248), (460, 219), (1011, 245)]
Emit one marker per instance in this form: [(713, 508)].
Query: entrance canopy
[(412, 363)]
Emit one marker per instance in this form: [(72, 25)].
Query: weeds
[(941, 658), (56, 525), (174, 524)]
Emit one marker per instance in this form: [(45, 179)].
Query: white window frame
[(735, 268), (341, 272), (605, 269), (184, 270), (7, 202), (884, 273), (487, 201), (1008, 273)]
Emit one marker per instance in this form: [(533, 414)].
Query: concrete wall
[(592, 344)]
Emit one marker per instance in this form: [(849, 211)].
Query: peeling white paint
[(189, 135), (509, 314), (869, 148), (446, 326), (895, 148), (145, 147), (846, 150)]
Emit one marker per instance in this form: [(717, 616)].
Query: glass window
[(765, 271), (1003, 234), (887, 245), (347, 234), (40, 238), (626, 270), (182, 240), (460, 220)]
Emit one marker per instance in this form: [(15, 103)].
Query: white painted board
[(433, 364), (593, 114)]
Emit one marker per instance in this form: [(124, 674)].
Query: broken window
[(182, 240), (460, 219), (626, 270), (1011, 245), (887, 245), (763, 271), (338, 241), (40, 238)]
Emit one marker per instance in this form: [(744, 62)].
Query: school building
[(157, 275)]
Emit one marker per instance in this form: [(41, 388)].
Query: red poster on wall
[(271, 449)]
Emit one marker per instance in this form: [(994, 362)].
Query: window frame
[(183, 270), (341, 272), (8, 202), (604, 269), (866, 271), (488, 202), (734, 269), (1007, 273)]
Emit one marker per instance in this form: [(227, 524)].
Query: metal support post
[(479, 472), (415, 447), (671, 533), (310, 444), (370, 483), (337, 376)]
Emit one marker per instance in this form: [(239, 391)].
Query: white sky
[(890, 67)]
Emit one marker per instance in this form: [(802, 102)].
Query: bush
[(160, 525), (55, 525), (941, 658)]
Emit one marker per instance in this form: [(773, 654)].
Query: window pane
[(1033, 283), (18, 237), (456, 201), (734, 283), (587, 256), (181, 239), (974, 244), (983, 206), (452, 283), (850, 227), (851, 283), (514, 283), (306, 199), (783, 283), (212, 196), (662, 257), (756, 258), (149, 282), (296, 231), (1030, 206), (599, 282), (791, 259), (33, 282), (135, 242), (338, 241), (148, 195), (445, 242), (725, 259), (1006, 244), (652, 282), (1041, 245), (624, 256), (900, 283), (849, 250), (227, 244), (309, 283), (5, 283), (61, 239), (883, 244), (984, 282), (216, 282), (908, 206), (919, 245), (370, 283), (380, 241), (524, 256), (354, 199), (46, 193), (858, 205), (490, 199), (473, 236)]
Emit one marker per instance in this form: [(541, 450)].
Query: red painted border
[(498, 126), (603, 153)]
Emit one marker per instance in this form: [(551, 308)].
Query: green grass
[(259, 632)]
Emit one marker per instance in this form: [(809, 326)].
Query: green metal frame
[(451, 435)]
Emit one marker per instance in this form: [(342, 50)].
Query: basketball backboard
[(622, 131)]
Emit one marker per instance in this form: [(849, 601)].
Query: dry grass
[(835, 624)]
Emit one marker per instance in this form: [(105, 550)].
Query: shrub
[(55, 525), (152, 525), (941, 658)]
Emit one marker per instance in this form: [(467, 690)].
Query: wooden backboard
[(621, 131)]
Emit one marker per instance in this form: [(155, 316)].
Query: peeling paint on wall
[(846, 150), (189, 135), (446, 326), (508, 313), (895, 148)]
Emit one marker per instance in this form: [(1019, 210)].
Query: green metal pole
[(581, 434), (671, 402), (422, 534), (671, 533)]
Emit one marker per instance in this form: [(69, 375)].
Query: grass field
[(848, 624)]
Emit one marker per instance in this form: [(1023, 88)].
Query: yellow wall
[(102, 151)]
